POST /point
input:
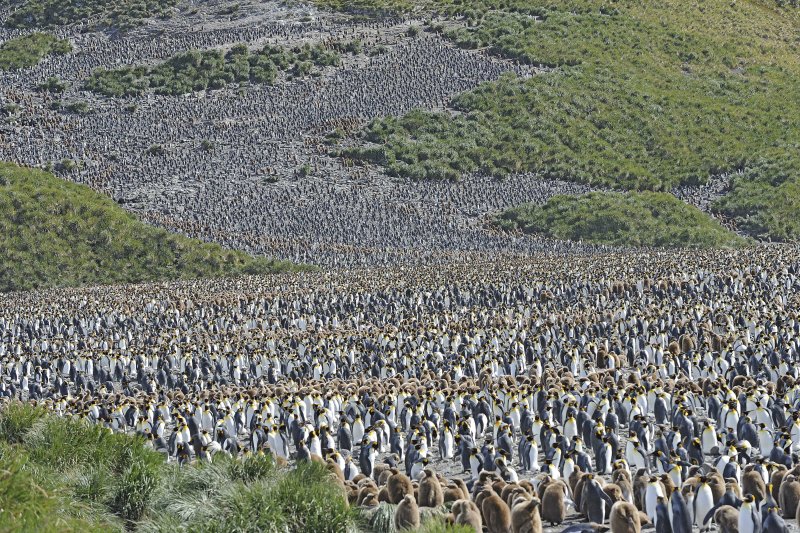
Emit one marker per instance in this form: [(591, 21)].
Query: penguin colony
[(612, 391)]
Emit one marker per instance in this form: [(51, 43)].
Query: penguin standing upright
[(703, 501), (773, 523), (366, 457), (662, 521), (680, 518), (446, 442), (594, 500), (653, 491), (749, 516)]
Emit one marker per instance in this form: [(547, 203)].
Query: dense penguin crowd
[(605, 390), (527, 384), (267, 181)]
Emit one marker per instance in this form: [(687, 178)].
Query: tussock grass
[(96, 14), (381, 519), (765, 199), (54, 234), (197, 70), (28, 50), (67, 475), (641, 95), (629, 219)]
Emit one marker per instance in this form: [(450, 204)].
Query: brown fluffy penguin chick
[(667, 483), (573, 478), (398, 486), (525, 517), (463, 486), (430, 490), (727, 519), (496, 514), (370, 501), (733, 487), (378, 470), (639, 486), (334, 469), (554, 508), (753, 483), (528, 486), (626, 487), (518, 495), (385, 475), (364, 492), (789, 496), (797, 515), (406, 516), (507, 490), (614, 492), (466, 513), (625, 518), (717, 485), (776, 480), (452, 493), (352, 494)]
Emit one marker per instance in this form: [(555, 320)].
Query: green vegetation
[(380, 519), (97, 14), (63, 474), (53, 85), (638, 95), (211, 69), (765, 200), (375, 8), (10, 109), (627, 219), (55, 233), (78, 107), (28, 50)]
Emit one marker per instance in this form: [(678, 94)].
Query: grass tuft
[(27, 50), (55, 234), (67, 475), (197, 70), (628, 219)]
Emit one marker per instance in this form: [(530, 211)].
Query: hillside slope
[(632, 219), (638, 95), (55, 233)]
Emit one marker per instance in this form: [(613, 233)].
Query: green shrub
[(55, 233), (252, 468), (134, 490), (52, 85), (28, 50), (210, 70), (30, 504), (16, 420), (79, 108), (98, 14), (628, 219), (637, 95), (64, 474), (765, 198), (310, 501)]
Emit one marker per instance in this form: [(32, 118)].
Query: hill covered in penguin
[(556, 283)]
